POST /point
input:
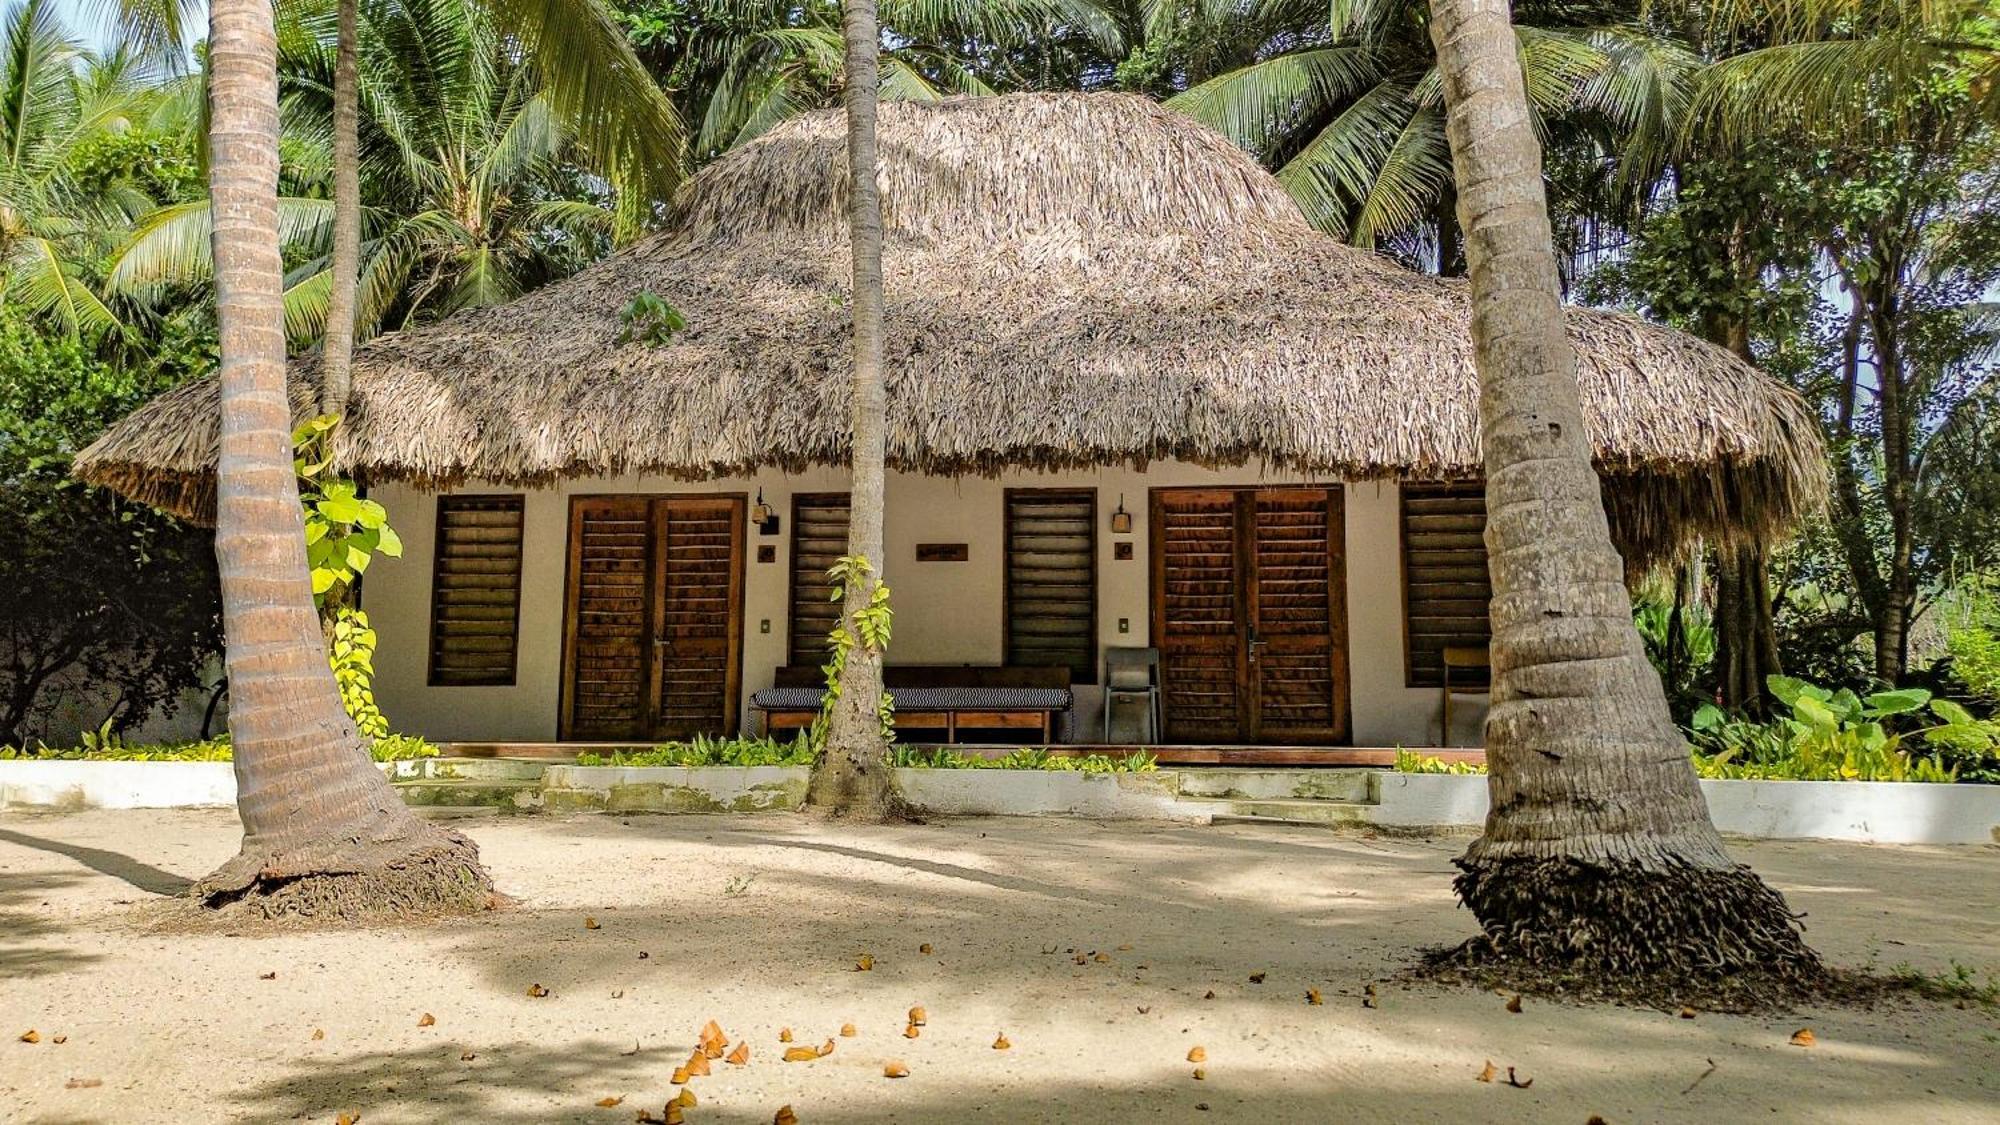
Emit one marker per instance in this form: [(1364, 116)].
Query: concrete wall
[(946, 613)]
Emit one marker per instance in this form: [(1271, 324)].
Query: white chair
[(1133, 674)]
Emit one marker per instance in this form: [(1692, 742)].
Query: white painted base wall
[(1870, 812), (117, 785)]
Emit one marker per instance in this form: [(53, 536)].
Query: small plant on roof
[(649, 319)]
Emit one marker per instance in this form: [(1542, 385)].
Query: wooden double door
[(1250, 614), (653, 638)]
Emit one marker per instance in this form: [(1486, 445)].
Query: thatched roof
[(1073, 280)]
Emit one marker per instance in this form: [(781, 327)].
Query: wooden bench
[(936, 698)]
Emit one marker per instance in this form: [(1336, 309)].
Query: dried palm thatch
[(1073, 280)]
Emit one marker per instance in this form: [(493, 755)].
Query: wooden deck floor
[(1348, 756)]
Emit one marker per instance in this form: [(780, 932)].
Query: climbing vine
[(873, 622), (344, 532)]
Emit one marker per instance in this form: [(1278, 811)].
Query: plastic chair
[(1133, 674)]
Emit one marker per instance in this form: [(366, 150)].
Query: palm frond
[(1257, 104)]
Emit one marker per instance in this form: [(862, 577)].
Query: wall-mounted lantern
[(1121, 520), (762, 517)]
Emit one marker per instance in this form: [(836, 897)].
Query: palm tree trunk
[(337, 350), (1598, 853), (851, 776), (323, 833)]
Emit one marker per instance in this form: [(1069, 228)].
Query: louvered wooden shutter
[(1052, 580), (819, 539), (608, 655), (1445, 583), (1297, 662), (1197, 620), (475, 590), (695, 634)]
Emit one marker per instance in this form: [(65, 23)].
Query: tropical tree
[(324, 835), (1598, 853), (851, 775), (741, 66), (489, 169), (60, 203)]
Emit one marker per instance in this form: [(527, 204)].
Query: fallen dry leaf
[(83, 1083), (467, 1056), (1209, 995), (591, 924), (784, 1035), (697, 1065), (1313, 997), (847, 1031), (919, 1017), (1487, 1072), (59, 1040), (348, 1119), (1000, 1042), (536, 991), (319, 1033), (1126, 948), (1597, 1119), (607, 1103), (1804, 1037), (686, 1100), (1144, 1008), (1514, 1004), (618, 994), (784, 1116), (31, 1036), (894, 1069), (800, 1054), (1257, 978), (925, 949), (1687, 1013), (739, 1056), (864, 963), (427, 1020), (1368, 997), (1100, 958), (680, 1076), (1081, 959), (272, 975), (1200, 1074), (826, 1048), (1197, 1054), (912, 1031), (674, 1115), (1518, 1083), (712, 1039)]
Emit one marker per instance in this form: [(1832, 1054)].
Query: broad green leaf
[(1899, 702)]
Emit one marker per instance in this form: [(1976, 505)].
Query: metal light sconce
[(762, 517), (1121, 520)]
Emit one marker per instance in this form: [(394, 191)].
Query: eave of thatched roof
[(1073, 280)]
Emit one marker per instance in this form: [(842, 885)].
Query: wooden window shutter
[(1445, 583), (819, 539), (1052, 580), (476, 590)]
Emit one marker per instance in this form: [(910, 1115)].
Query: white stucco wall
[(946, 613)]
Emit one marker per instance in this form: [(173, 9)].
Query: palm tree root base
[(842, 788), (361, 884), (1666, 934)]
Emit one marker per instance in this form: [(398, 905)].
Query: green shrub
[(1026, 758), (104, 747), (704, 751), (1409, 761), (1840, 736)]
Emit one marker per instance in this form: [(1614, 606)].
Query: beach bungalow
[(1136, 402)]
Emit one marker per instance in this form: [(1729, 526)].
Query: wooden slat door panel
[(819, 539), (1250, 614), (609, 556), (653, 648), (697, 630), (1051, 579), (1298, 615), (1197, 618)]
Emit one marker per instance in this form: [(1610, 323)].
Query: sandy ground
[(756, 922)]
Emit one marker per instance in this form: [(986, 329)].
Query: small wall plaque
[(767, 552), (1121, 551), (941, 552)]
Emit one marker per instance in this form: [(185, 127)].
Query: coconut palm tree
[(851, 776), (1598, 853), (1348, 114), (58, 104), (748, 64), (484, 188), (324, 835)]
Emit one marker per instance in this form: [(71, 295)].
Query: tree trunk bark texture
[(1746, 635), (852, 776), (325, 837), (337, 349), (1598, 854)]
